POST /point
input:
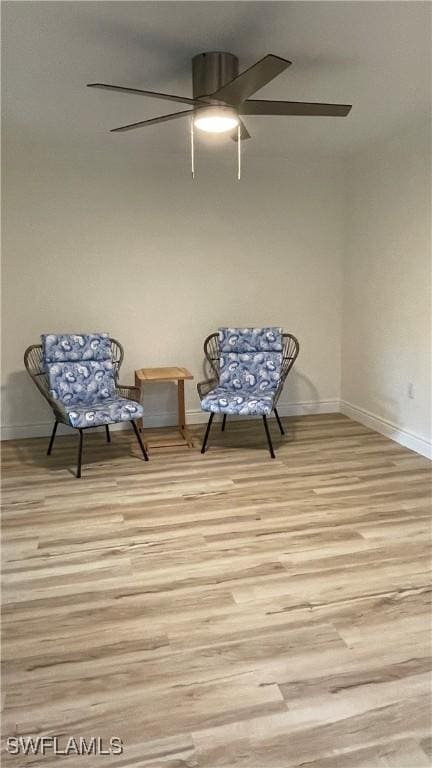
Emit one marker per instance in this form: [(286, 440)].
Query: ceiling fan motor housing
[(210, 71)]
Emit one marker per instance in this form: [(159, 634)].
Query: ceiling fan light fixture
[(216, 119)]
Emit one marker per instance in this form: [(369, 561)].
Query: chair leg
[(108, 436), (141, 444), (51, 442), (207, 432), (279, 421), (80, 448), (223, 423), (270, 444)]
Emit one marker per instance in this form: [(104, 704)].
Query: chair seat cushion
[(222, 400), (107, 412)]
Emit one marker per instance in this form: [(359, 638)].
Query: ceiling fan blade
[(251, 80), (152, 94), (244, 133), (293, 108), (152, 121)]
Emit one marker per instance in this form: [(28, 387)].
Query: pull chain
[(192, 147), (192, 144), (238, 152)]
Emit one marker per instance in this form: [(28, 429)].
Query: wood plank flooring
[(220, 610)]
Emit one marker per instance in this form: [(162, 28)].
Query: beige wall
[(96, 238), (386, 353)]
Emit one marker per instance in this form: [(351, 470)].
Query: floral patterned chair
[(77, 374), (248, 370)]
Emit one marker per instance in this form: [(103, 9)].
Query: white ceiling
[(375, 55)]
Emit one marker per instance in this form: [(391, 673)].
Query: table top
[(171, 373)]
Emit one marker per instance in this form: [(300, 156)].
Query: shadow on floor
[(64, 454), (246, 433), (239, 434)]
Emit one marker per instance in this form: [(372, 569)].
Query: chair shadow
[(246, 433), (64, 453)]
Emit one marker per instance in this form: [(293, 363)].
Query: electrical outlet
[(411, 390)]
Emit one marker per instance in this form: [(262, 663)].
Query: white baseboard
[(166, 419), (195, 416), (385, 427), (308, 407)]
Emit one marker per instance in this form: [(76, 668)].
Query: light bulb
[(216, 119)]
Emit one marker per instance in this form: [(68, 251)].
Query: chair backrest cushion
[(74, 347), (83, 383), (79, 368), (250, 358), (250, 339)]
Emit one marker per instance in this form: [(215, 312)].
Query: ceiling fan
[(221, 96)]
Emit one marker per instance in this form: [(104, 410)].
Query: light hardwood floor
[(221, 610)]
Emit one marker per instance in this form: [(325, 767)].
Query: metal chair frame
[(290, 350), (33, 361)]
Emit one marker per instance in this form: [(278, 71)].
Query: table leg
[(182, 413), (138, 384), (181, 405)]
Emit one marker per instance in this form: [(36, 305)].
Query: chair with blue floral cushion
[(78, 376), (248, 369)]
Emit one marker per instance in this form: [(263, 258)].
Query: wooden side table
[(151, 375)]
